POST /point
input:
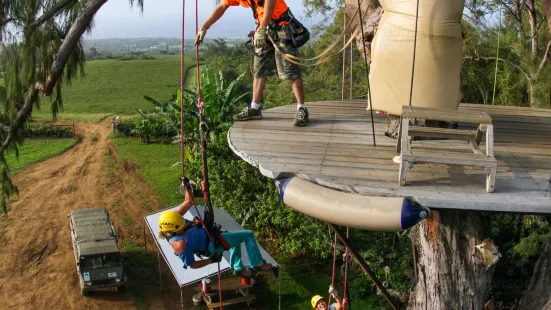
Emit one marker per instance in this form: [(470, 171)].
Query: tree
[(528, 44), (41, 48)]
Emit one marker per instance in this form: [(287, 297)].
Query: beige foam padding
[(344, 209), (438, 55)]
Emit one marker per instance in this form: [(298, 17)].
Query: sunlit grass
[(37, 150)]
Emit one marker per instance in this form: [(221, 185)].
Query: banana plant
[(221, 99)]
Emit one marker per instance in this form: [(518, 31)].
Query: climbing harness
[(296, 60)]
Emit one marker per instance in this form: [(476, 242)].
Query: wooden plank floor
[(336, 150)]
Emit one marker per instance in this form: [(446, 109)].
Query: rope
[(332, 46), (204, 132), (497, 59), (182, 81), (334, 266), (414, 51), (294, 60), (345, 294), (367, 72)]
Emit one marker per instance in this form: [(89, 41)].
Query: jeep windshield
[(100, 261)]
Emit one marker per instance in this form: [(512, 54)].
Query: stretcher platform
[(189, 276)]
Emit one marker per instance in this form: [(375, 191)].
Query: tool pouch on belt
[(296, 34)]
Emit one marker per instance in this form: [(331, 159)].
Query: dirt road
[(37, 269)]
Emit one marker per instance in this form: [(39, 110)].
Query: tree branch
[(60, 5), (7, 21), (499, 59), (547, 6), (70, 42), (544, 60), (511, 11), (22, 115)]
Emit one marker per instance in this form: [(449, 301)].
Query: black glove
[(216, 258)]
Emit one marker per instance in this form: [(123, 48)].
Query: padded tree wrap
[(438, 55), (351, 210)]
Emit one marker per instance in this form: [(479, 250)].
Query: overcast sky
[(162, 18)]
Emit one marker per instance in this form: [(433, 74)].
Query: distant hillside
[(120, 46), (118, 86)]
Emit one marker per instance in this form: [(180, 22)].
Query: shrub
[(125, 127), (156, 125), (47, 131)]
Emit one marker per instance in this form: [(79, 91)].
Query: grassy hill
[(118, 86)]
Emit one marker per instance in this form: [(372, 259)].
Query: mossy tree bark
[(538, 294), (451, 273)]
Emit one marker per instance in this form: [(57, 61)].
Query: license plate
[(112, 274)]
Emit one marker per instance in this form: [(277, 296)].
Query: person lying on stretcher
[(187, 239)]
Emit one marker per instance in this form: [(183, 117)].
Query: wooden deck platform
[(336, 151)]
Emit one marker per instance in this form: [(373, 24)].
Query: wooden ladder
[(229, 284), (476, 157)]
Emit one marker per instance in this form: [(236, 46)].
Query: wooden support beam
[(364, 266)]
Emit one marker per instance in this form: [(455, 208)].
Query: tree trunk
[(371, 15), (538, 295), (532, 94), (451, 271), (533, 28)]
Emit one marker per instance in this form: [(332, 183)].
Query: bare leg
[(298, 90), (258, 89)]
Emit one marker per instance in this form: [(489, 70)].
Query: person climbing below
[(318, 303), (271, 17), (187, 238)]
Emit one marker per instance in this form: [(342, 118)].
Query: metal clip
[(204, 129)]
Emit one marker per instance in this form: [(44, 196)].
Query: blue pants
[(234, 240)]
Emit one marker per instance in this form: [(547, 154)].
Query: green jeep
[(97, 255)]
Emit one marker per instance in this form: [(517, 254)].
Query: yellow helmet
[(171, 221), (315, 301)]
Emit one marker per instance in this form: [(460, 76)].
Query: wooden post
[(404, 165), (364, 266), (115, 123), (160, 273), (182, 297), (144, 237)]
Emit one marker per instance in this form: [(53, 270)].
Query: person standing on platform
[(271, 16)]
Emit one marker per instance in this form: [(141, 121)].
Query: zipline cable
[(497, 59), (182, 85), (367, 70), (343, 51), (414, 51)]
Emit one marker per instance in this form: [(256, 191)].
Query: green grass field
[(298, 283), (118, 87), (34, 151)]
